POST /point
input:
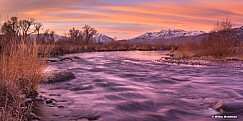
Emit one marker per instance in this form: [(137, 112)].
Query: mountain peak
[(101, 38)]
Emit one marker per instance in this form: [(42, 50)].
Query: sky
[(125, 18)]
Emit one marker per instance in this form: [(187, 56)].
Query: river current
[(131, 86)]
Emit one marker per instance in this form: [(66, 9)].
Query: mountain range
[(169, 35), (177, 36)]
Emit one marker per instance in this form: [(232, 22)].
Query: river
[(131, 86)]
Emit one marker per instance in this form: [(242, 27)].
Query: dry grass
[(67, 47), (188, 49), (217, 45), (222, 42), (20, 73)]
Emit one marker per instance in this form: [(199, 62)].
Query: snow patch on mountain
[(168, 34), (101, 38)]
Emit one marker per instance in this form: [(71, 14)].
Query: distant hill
[(101, 38)]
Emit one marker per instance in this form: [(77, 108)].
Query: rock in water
[(49, 101), (84, 87), (67, 58), (54, 77), (50, 60), (223, 107)]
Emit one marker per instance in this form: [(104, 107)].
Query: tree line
[(82, 36), (16, 29)]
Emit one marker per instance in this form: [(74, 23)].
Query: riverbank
[(176, 58)]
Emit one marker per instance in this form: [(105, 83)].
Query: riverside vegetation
[(21, 66), (221, 43)]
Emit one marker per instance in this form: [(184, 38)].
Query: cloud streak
[(125, 19)]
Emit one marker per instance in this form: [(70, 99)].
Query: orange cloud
[(128, 19)]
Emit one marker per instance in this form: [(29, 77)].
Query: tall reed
[(20, 73)]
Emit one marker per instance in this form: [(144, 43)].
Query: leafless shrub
[(218, 43)]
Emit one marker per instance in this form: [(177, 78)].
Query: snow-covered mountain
[(101, 38), (168, 34)]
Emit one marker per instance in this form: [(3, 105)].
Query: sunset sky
[(125, 18)]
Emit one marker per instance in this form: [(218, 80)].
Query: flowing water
[(131, 86)]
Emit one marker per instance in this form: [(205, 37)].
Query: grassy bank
[(195, 49), (20, 73), (210, 49)]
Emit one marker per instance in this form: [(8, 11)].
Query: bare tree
[(223, 25), (17, 30), (38, 27), (75, 35), (25, 27), (11, 28), (52, 36), (80, 36), (88, 32)]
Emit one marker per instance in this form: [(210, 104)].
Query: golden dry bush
[(21, 67), (21, 63)]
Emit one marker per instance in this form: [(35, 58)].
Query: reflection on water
[(141, 55), (131, 86)]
